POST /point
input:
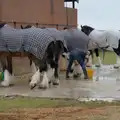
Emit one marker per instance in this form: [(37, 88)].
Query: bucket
[(90, 72)]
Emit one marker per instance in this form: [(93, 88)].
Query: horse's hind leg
[(6, 62), (33, 66), (98, 57), (35, 79), (90, 59), (59, 48), (117, 51), (56, 73)]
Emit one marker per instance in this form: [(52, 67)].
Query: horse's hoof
[(29, 80), (42, 87), (71, 71), (76, 75), (54, 83), (116, 66), (11, 85), (32, 86), (97, 65), (50, 82)]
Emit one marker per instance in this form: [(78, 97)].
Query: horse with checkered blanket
[(39, 45)]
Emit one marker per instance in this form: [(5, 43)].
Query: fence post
[(57, 26), (14, 24), (36, 24)]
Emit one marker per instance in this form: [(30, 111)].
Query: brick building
[(50, 13)]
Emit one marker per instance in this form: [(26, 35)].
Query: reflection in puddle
[(96, 99)]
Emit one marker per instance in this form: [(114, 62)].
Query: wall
[(26, 11), (40, 11)]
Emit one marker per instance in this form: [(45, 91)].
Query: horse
[(107, 39), (96, 51), (29, 41)]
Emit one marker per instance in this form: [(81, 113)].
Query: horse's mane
[(89, 27), (2, 25), (26, 27)]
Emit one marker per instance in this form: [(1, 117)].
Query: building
[(50, 13)]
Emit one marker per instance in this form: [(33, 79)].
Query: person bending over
[(80, 57)]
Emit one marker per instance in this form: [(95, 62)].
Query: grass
[(18, 108), (27, 102), (110, 58)]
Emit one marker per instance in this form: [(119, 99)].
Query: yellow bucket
[(90, 72)]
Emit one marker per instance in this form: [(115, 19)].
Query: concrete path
[(104, 86)]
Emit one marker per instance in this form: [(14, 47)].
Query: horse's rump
[(10, 39), (33, 40), (105, 38)]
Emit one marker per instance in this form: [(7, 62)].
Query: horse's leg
[(90, 59), (117, 60), (117, 51), (56, 72), (33, 66), (98, 57), (45, 81), (10, 68), (45, 76), (6, 63), (59, 49), (35, 79)]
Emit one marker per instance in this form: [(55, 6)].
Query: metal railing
[(37, 24)]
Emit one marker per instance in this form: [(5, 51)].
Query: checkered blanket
[(76, 39), (32, 40)]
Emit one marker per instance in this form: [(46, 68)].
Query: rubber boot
[(85, 74), (67, 74)]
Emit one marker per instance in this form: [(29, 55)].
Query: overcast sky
[(100, 14)]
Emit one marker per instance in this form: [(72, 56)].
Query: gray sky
[(100, 14)]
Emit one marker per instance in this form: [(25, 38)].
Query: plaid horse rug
[(32, 40)]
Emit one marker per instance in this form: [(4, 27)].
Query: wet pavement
[(104, 86)]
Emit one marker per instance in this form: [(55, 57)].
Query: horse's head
[(54, 50), (26, 27), (86, 29), (2, 25)]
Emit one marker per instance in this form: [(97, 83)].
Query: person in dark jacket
[(80, 56)]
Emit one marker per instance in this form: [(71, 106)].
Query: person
[(81, 58)]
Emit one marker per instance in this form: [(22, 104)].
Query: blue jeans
[(80, 57)]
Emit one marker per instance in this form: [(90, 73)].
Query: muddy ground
[(65, 113)]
